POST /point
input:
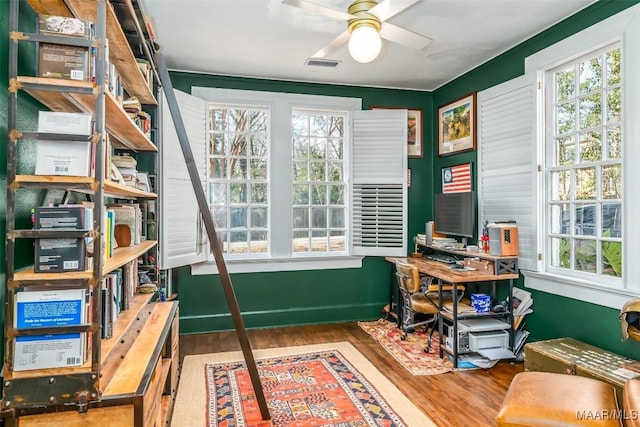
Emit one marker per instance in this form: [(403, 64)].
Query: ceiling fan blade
[(334, 45), (319, 10), (388, 8), (404, 37)]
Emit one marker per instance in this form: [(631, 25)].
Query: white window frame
[(625, 28), (280, 105), (389, 147)]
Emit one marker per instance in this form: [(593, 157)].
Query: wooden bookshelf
[(120, 257), (125, 378), (59, 95), (87, 183), (120, 52)]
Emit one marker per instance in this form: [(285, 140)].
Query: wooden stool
[(548, 399)]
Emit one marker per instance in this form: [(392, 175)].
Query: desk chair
[(414, 301), (420, 297)]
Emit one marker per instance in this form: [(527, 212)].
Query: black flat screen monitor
[(454, 214)]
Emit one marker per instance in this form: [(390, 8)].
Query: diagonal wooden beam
[(216, 246)]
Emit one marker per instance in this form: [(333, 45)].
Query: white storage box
[(490, 339)]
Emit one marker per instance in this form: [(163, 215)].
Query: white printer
[(475, 335)]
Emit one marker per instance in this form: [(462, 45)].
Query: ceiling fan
[(367, 24)]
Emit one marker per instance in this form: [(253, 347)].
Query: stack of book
[(45, 309), (146, 70), (521, 306), (127, 168), (63, 254), (117, 288), (62, 61)]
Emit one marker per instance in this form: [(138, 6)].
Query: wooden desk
[(444, 275)]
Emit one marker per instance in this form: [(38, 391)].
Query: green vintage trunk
[(570, 356)]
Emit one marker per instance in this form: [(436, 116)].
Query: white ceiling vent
[(325, 63)]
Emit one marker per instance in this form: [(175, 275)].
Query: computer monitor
[(454, 214)]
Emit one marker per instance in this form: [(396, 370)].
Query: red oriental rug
[(410, 352), (324, 385)]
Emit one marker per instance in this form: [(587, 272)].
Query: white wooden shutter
[(508, 158), (379, 183), (182, 240)]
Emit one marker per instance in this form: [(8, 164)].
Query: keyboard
[(447, 259)]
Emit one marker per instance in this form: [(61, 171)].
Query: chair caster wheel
[(403, 338)]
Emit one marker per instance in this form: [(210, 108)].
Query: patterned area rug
[(328, 385), (410, 352)]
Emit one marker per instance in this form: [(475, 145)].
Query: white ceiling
[(268, 39)]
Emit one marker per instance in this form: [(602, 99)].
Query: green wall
[(289, 298), (553, 316)]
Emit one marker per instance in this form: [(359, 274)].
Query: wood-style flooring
[(456, 399)]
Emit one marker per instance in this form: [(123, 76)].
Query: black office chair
[(414, 301)]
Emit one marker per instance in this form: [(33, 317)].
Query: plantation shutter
[(183, 241), (379, 183), (508, 158)]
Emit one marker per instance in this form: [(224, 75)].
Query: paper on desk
[(496, 353)]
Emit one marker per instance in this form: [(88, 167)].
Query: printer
[(475, 335)]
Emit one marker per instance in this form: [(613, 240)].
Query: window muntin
[(584, 173), (318, 176), (238, 177)]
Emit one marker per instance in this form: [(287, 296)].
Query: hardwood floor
[(455, 399)]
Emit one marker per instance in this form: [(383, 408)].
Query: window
[(557, 152), (239, 196), (584, 166), (285, 175), (238, 172), (318, 174)]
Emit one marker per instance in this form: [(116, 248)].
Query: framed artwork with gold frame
[(457, 126)]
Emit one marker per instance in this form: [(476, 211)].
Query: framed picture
[(414, 130), (457, 126)]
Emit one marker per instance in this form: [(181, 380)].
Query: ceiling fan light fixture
[(365, 43)]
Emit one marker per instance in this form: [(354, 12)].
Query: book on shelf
[(128, 223), (65, 123), (64, 62), (106, 309), (57, 255), (59, 157), (49, 308), (65, 26), (65, 158), (147, 72), (64, 217), (110, 237), (462, 308)]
